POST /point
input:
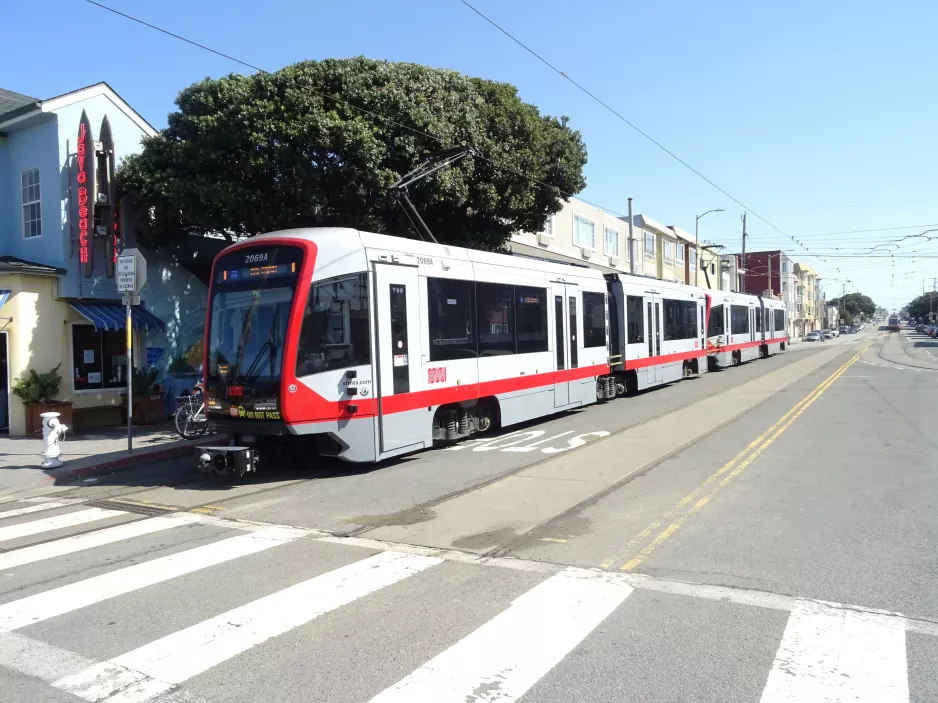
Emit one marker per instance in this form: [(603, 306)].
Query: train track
[(905, 351)]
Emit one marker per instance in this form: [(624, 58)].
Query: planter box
[(148, 409), (34, 410)]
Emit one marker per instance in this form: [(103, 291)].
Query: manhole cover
[(130, 507)]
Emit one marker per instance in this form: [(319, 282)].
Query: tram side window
[(335, 332), (758, 320), (531, 316), (496, 319), (739, 318), (594, 320), (779, 320), (680, 319), (634, 320), (451, 304), (715, 325)]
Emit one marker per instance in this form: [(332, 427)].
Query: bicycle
[(189, 418)]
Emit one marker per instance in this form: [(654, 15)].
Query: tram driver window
[(594, 320), (335, 332), (451, 305), (634, 320)]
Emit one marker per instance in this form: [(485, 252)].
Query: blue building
[(59, 304)]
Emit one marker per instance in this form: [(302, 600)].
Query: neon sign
[(84, 137)]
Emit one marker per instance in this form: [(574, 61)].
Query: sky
[(818, 117)]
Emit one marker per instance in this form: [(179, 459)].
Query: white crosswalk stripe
[(511, 652), (835, 654), (827, 652), (57, 522), (32, 509), (98, 538), (155, 667), (42, 606)]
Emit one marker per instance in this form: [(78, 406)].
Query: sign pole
[(130, 382)]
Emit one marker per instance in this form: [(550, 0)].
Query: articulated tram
[(365, 346)]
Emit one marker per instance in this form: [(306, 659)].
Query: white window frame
[(667, 251), (576, 232), (27, 199), (649, 254), (692, 257), (549, 226), (679, 253), (606, 248)]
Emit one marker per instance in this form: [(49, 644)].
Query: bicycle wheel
[(184, 425)]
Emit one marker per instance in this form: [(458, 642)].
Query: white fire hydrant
[(53, 432)]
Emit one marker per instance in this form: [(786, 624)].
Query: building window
[(612, 242), (99, 358), (32, 214), (668, 251), (549, 226), (692, 256), (784, 267), (679, 253), (784, 286), (649, 245), (584, 233), (594, 320)]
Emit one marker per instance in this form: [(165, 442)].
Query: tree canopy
[(923, 304), (319, 142), (855, 304)]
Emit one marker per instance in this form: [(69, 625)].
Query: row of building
[(59, 302), (584, 234)]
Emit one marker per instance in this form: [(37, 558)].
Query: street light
[(697, 243)]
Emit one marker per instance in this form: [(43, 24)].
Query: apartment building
[(807, 296)]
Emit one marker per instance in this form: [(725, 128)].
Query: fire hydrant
[(53, 432)]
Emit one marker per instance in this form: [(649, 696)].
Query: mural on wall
[(96, 208)]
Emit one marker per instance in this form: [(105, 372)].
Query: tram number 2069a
[(436, 375)]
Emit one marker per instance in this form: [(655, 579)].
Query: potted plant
[(148, 403), (37, 391)]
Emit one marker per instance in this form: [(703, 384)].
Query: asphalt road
[(762, 534)]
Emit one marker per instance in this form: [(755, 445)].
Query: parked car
[(845, 329), (814, 337), (828, 334)]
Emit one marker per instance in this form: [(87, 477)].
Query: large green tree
[(319, 142), (923, 305), (855, 304)]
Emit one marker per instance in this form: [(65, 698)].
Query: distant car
[(845, 329), (814, 337), (828, 334)]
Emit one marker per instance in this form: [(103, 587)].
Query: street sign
[(131, 272)]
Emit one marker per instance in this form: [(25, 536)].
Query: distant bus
[(894, 323)]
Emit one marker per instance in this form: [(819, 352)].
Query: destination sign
[(252, 272)]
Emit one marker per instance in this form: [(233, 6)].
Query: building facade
[(61, 228), (773, 272)]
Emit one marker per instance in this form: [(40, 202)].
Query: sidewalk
[(90, 453)]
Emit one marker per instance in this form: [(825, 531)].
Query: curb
[(123, 463)]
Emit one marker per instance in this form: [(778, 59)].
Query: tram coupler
[(227, 460)]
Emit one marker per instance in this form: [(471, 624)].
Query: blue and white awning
[(112, 316), (4, 297)]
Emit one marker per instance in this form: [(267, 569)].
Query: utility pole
[(631, 242), (743, 277)]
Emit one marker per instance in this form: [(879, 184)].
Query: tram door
[(565, 312), (654, 373), (397, 354)]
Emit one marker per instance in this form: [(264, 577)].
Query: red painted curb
[(122, 464)]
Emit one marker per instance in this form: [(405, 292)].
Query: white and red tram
[(366, 346), (743, 327)]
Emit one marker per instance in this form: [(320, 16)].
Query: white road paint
[(499, 443), (66, 599), (31, 509), (136, 676), (58, 522), (507, 655), (42, 661), (90, 540), (832, 654)]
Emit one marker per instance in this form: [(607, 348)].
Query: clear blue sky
[(819, 116)]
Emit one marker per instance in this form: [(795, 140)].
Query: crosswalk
[(187, 607)]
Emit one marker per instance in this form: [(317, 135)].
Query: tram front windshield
[(252, 295)]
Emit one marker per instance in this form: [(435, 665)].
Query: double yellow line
[(735, 466)]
